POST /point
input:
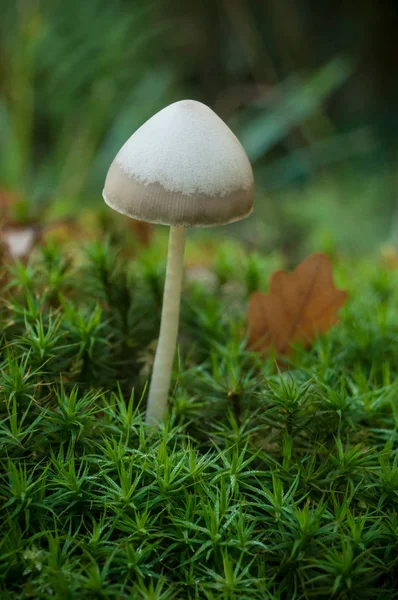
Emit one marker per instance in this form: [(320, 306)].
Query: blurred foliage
[(75, 78), (307, 88)]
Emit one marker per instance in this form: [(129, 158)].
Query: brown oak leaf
[(298, 307)]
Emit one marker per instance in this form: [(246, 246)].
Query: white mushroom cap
[(183, 167)]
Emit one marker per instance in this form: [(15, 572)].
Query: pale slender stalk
[(162, 367)]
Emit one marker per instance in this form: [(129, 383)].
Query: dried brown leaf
[(143, 231), (299, 306), (8, 199), (389, 256), (19, 239)]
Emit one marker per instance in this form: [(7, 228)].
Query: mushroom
[(183, 168)]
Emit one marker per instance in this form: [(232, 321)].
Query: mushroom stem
[(161, 374)]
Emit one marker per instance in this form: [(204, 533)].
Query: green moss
[(262, 484)]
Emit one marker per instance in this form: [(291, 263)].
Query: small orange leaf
[(299, 306)]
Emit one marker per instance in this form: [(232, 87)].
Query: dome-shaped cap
[(183, 167)]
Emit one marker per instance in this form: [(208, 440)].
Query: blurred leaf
[(297, 104), (302, 163), (68, 81), (142, 231)]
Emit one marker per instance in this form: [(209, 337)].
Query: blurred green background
[(309, 87)]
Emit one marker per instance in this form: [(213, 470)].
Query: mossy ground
[(263, 484)]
